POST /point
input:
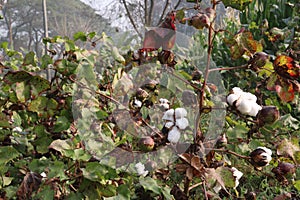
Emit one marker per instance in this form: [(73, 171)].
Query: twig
[(130, 18), (228, 68), (232, 152)]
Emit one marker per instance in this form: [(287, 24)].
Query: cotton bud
[(141, 94), (146, 143), (150, 85), (258, 60), (268, 115), (221, 141), (261, 157), (199, 21), (174, 135), (284, 171), (197, 75)]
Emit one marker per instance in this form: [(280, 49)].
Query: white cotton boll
[(137, 103), (182, 123), (169, 124), (249, 96), (17, 129), (163, 101), (268, 151), (267, 157), (140, 168), (180, 112), (255, 109), (169, 115), (244, 106), (217, 188), (231, 99), (236, 90), (174, 135), (238, 175)]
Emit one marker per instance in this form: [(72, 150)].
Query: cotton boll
[(238, 175), (180, 112), (232, 98), (255, 109), (169, 115), (244, 106), (237, 91), (140, 168), (182, 123), (268, 151), (174, 135), (249, 96), (169, 124)]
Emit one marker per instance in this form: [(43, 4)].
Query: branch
[(178, 3), (232, 152), (164, 12), (131, 19), (228, 68), (150, 11)]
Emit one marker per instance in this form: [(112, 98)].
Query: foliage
[(101, 127)]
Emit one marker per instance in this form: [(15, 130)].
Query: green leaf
[(22, 91), (150, 184), (62, 146), (80, 36), (62, 123), (46, 60), (30, 59), (239, 131), (4, 122), (8, 153), (297, 185), (43, 106)]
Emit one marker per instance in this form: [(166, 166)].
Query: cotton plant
[(175, 120), (244, 102)]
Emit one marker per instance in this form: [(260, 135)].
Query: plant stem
[(232, 152), (228, 68)]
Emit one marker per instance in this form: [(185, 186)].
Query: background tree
[(23, 22)]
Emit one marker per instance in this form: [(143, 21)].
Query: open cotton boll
[(169, 124), (169, 115), (180, 112), (182, 123), (140, 168), (232, 98), (244, 106), (238, 175), (255, 109), (249, 96), (174, 135), (237, 90), (268, 151)]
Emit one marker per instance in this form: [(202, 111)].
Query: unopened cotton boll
[(174, 135)]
